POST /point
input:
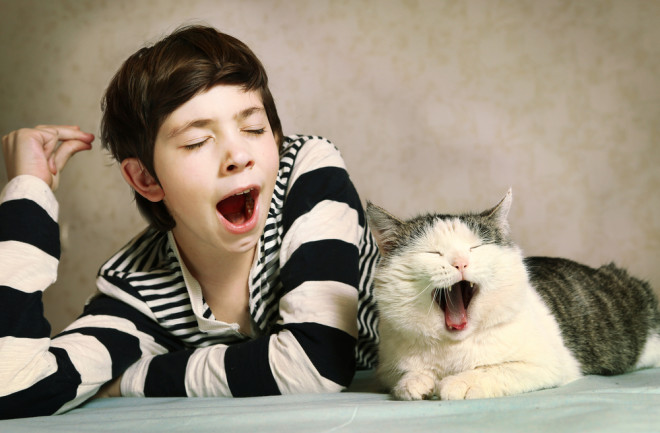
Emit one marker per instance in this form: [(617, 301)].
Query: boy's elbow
[(317, 383), (328, 364), (339, 376), (332, 388)]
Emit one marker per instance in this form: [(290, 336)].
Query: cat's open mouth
[(454, 301)]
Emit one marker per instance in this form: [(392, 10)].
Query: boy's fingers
[(46, 137), (43, 151), (72, 138), (66, 150), (49, 140), (67, 132)]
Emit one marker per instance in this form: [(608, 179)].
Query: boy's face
[(217, 161)]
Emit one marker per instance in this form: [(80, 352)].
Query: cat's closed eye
[(480, 245)]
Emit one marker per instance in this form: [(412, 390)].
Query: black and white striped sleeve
[(40, 376), (29, 256), (323, 223)]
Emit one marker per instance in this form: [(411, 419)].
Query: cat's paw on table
[(414, 386), (465, 386)]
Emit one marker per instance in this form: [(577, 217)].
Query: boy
[(253, 277)]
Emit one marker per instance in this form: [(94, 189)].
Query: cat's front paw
[(467, 385), (414, 386)]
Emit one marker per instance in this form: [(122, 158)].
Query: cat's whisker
[(434, 300), (430, 306), (422, 292), (414, 298), (411, 300)]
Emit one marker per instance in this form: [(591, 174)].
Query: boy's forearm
[(300, 358), (29, 255), (40, 376)]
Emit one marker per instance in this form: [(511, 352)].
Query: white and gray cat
[(464, 315)]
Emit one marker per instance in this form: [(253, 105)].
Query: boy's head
[(157, 80)]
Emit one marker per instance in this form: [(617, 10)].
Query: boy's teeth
[(247, 191), (249, 205)]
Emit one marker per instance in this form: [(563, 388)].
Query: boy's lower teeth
[(235, 218), (249, 206)]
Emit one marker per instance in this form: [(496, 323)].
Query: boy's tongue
[(232, 208)]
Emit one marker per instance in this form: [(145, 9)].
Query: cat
[(463, 315)]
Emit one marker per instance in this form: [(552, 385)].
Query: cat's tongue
[(455, 314)]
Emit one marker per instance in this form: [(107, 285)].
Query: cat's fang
[(467, 290)]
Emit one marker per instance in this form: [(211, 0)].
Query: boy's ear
[(141, 181)]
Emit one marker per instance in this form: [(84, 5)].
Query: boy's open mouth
[(454, 301), (238, 209)]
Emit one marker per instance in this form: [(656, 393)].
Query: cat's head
[(447, 275)]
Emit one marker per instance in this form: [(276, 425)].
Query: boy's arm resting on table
[(313, 347), (29, 255), (40, 376), (323, 222)]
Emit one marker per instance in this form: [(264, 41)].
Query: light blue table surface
[(622, 404)]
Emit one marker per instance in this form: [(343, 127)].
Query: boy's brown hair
[(157, 80)]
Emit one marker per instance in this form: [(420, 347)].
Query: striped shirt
[(313, 315)]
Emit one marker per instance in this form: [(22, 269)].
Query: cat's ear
[(500, 213), (384, 227)]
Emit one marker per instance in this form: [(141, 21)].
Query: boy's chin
[(244, 246)]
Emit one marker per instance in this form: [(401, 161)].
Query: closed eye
[(196, 145), (255, 131), (438, 253), (480, 245)]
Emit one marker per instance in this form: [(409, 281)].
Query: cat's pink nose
[(460, 264)]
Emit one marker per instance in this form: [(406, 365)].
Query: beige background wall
[(435, 105)]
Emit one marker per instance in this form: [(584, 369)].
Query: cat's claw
[(414, 386)]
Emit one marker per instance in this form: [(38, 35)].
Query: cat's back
[(605, 315)]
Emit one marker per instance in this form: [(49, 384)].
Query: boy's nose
[(236, 160)]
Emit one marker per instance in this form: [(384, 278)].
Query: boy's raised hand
[(43, 151)]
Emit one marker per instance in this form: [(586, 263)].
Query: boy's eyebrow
[(196, 123), (200, 123), (244, 114)]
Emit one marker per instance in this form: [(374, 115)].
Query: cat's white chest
[(530, 338), (482, 348)]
